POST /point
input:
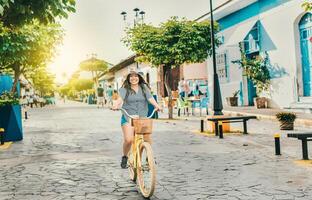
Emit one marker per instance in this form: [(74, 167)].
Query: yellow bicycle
[(141, 161)]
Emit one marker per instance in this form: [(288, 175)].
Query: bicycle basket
[(143, 126)]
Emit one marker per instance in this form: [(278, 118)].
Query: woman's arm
[(155, 104), (117, 104)]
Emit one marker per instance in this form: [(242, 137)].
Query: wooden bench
[(1, 136), (304, 137), (229, 119)]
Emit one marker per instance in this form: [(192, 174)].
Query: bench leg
[(305, 149), (201, 125), (216, 129), (2, 138), (220, 131), (245, 126)]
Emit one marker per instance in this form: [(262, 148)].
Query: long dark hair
[(127, 85)]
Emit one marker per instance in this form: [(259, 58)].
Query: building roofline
[(227, 8), (123, 63), (215, 9)]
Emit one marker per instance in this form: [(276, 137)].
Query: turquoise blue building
[(279, 30)]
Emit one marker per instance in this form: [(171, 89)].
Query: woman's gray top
[(136, 103)]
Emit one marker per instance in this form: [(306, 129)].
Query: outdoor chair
[(203, 103), (185, 105)]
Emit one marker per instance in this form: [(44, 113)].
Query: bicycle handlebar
[(130, 116)]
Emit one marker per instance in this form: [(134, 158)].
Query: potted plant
[(286, 120), (257, 71), (7, 99), (232, 101), (10, 118)]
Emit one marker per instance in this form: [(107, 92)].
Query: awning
[(241, 32)]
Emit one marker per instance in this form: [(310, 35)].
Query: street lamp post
[(217, 100), (135, 20)]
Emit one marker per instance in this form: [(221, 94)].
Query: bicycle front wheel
[(146, 170)]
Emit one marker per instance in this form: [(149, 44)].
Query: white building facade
[(121, 70), (279, 30)]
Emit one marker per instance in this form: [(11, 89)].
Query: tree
[(82, 84), (29, 33), (43, 82), (26, 48), (172, 44), (75, 86), (19, 12), (307, 5), (97, 68)]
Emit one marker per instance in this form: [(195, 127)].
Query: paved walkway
[(72, 151)]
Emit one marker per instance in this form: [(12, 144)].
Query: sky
[(97, 28)]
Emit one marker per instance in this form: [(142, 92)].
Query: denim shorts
[(124, 120)]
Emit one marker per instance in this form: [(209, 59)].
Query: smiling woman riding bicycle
[(134, 96)]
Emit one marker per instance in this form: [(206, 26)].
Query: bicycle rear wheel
[(132, 166), (146, 171)]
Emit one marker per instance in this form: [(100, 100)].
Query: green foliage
[(307, 5), (20, 12), (43, 82), (29, 46), (81, 84), (76, 86), (286, 116), (97, 67), (7, 98), (256, 70), (173, 43), (94, 65), (236, 93)]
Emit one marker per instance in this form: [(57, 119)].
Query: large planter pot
[(286, 125), (261, 102), (11, 121), (232, 101)]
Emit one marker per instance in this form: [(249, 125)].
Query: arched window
[(305, 22)]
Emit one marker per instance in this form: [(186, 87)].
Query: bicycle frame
[(138, 138)]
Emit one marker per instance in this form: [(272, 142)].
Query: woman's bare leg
[(127, 130)]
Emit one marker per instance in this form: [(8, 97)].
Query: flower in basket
[(7, 98)]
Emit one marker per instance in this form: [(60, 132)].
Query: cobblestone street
[(73, 151)]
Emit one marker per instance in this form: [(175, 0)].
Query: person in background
[(100, 96), (183, 88), (109, 95)]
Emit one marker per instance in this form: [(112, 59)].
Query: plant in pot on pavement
[(286, 120), (232, 101), (257, 71), (7, 98)]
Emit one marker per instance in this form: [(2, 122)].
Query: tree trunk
[(168, 88), (17, 73)]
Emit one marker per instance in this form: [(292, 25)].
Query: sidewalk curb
[(298, 122), (6, 145)]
